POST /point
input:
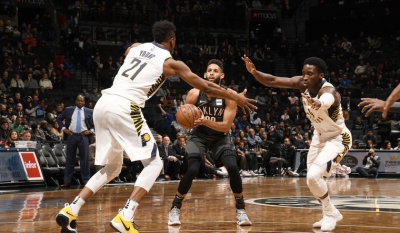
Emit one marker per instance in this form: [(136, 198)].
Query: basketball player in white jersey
[(120, 125), (331, 139)]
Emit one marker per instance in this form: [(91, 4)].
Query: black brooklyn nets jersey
[(212, 109)]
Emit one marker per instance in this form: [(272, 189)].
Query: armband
[(326, 100)]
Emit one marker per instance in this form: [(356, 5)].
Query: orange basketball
[(187, 114)]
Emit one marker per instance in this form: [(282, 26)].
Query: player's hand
[(315, 104), (371, 105), (245, 103), (249, 64)]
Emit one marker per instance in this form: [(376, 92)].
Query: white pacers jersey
[(141, 75), (328, 123)]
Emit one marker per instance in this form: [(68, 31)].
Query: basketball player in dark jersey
[(211, 132)]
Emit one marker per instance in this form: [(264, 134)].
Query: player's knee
[(313, 174), (112, 170), (155, 163)]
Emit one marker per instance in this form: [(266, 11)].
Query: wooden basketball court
[(273, 205)]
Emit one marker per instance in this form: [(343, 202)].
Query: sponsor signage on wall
[(390, 160), (19, 166), (260, 15)]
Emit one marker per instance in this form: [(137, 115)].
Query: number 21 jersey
[(141, 75)]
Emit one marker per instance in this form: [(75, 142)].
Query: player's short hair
[(163, 30), (317, 62), (218, 63)]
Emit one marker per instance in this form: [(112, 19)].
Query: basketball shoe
[(242, 218), (173, 218), (66, 220), (329, 219), (120, 224)]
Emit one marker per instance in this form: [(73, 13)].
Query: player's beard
[(217, 81)]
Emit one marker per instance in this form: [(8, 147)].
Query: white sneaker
[(253, 173), (331, 217), (334, 212), (222, 172), (174, 229), (242, 219), (246, 174), (173, 217)]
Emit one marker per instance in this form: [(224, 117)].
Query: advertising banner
[(390, 160), (19, 166), (261, 15), (31, 3)]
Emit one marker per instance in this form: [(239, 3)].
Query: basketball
[(187, 114)]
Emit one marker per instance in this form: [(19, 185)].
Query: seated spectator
[(45, 82), (370, 136), (30, 41), (36, 133), (4, 129), (56, 130), (288, 153), (254, 119), (386, 145), (17, 85), (9, 65), (171, 161), (371, 164), (30, 83), (8, 48), (95, 95), (17, 125), (41, 110), (20, 66), (26, 136), (63, 72), (358, 124), (11, 139)]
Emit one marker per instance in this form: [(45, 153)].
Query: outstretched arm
[(178, 68), (394, 96), (376, 105), (270, 80)]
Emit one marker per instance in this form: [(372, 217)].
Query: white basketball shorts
[(119, 126)]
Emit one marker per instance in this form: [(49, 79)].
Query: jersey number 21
[(135, 63)]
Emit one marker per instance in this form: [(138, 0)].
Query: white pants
[(120, 126), (321, 153)]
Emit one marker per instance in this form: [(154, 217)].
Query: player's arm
[(270, 80), (191, 97), (225, 125), (132, 46), (394, 96), (178, 68), (327, 97), (376, 105)]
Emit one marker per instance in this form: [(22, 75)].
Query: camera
[(369, 153)]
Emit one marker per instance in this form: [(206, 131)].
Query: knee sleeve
[(150, 172), (191, 173), (229, 161), (315, 181), (103, 176)]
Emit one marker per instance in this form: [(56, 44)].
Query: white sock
[(326, 203), (129, 210), (76, 205)]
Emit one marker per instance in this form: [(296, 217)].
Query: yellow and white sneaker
[(66, 220), (120, 224)]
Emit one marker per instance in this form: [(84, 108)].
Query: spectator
[(95, 95), (371, 164), (45, 82), (36, 133), (30, 83), (26, 136), (171, 161), (11, 139), (4, 129), (372, 137), (17, 125)]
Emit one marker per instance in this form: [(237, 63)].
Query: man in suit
[(179, 149), (171, 161), (78, 132)]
